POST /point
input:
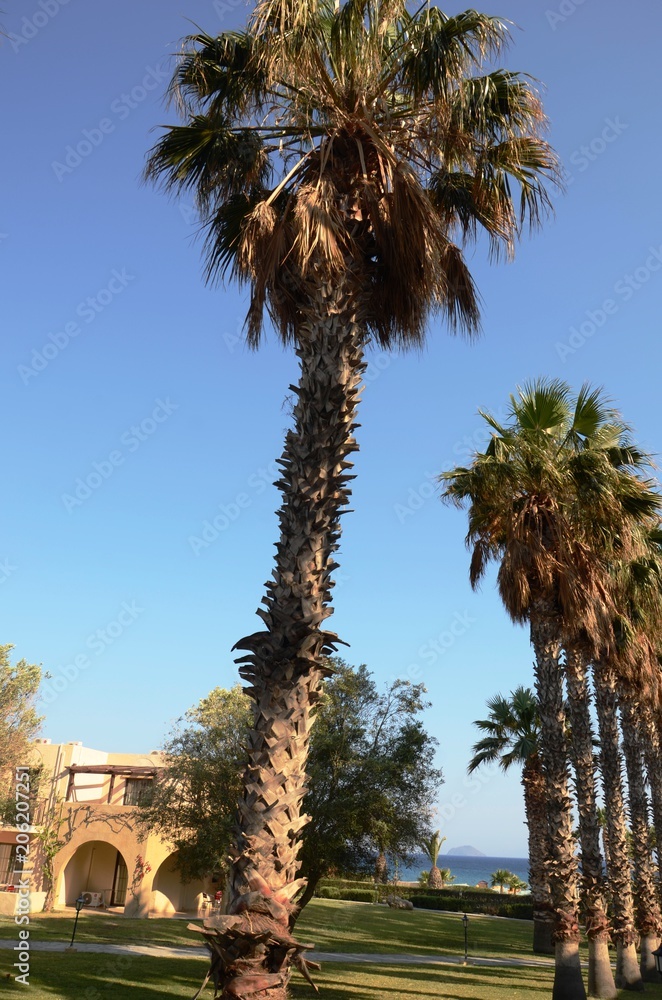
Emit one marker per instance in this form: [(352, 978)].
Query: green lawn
[(110, 977), (360, 927), (330, 924), (104, 928)]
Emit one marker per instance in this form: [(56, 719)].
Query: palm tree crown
[(555, 496), (432, 846), (513, 730), (360, 140)]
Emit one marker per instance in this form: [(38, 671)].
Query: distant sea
[(466, 870)]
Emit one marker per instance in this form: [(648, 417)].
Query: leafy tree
[(19, 721), (512, 738), (371, 769), (194, 797), (341, 155), (372, 776)]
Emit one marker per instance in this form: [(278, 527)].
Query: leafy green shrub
[(494, 906), (346, 883), (328, 892), (359, 895)]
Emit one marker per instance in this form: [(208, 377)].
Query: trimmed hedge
[(346, 883), (494, 907), (354, 895), (328, 892)]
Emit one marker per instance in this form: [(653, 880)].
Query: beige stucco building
[(89, 798)]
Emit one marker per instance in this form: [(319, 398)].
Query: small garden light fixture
[(80, 903), (465, 922)]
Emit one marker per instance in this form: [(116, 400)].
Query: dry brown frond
[(318, 226)]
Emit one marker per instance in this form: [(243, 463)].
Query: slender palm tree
[(512, 738), (602, 821), (593, 882), (619, 874), (341, 156), (634, 678), (647, 908), (431, 848), (546, 499)]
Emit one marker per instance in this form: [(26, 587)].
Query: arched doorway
[(99, 869), (169, 894)]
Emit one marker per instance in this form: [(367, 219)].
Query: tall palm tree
[(624, 931), (431, 848), (647, 908), (631, 670), (341, 155), (593, 882), (546, 498), (512, 738)]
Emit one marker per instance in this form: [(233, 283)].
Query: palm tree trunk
[(545, 638), (535, 809), (628, 975), (653, 759), (647, 910), (381, 868), (435, 880), (253, 950), (600, 977)]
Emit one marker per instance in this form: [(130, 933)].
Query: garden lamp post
[(80, 903), (465, 922), (657, 955)]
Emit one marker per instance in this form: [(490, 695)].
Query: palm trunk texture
[(647, 909), (435, 880), (381, 868), (535, 808), (251, 944), (562, 869), (600, 977), (653, 759), (628, 975)]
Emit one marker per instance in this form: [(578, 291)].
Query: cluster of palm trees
[(562, 500)]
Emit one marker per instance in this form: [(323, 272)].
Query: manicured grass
[(330, 924), (360, 927), (103, 928), (58, 976)]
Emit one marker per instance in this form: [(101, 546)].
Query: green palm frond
[(513, 730), (360, 139)]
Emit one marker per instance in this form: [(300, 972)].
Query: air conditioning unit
[(92, 898)]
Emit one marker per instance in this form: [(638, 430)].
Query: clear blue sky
[(145, 387)]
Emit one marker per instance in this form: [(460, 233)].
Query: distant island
[(467, 851)]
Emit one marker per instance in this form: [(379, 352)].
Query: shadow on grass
[(372, 982)]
